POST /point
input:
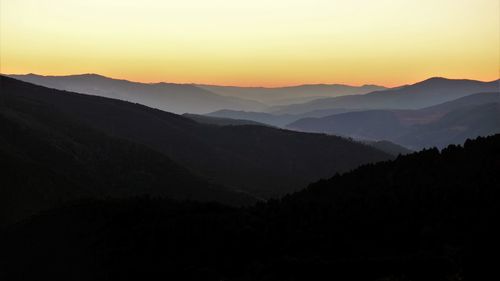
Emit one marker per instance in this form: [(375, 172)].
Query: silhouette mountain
[(429, 215), (423, 94), (177, 98), (49, 156), (439, 125), (260, 160)]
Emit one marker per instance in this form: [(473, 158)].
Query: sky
[(253, 42)]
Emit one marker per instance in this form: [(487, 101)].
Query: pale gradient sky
[(253, 42)]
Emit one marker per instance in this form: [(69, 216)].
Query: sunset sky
[(253, 43)]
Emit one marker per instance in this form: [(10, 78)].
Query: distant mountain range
[(423, 94), (191, 98), (278, 120), (293, 94), (221, 121), (439, 125), (176, 98), (290, 107), (429, 92), (83, 145), (402, 115)]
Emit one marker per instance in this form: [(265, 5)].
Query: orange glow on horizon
[(254, 43), (274, 84)]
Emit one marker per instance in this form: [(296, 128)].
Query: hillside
[(49, 157), (261, 117), (261, 160), (439, 125), (389, 147), (277, 120), (455, 127), (425, 216)]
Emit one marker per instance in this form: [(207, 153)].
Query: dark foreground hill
[(48, 157), (426, 216), (261, 160)]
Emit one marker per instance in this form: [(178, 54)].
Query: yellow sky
[(253, 42)]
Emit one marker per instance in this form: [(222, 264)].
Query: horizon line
[(245, 86)]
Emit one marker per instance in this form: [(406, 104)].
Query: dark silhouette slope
[(261, 160), (426, 216), (49, 157)]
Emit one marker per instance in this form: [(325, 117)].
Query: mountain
[(220, 121), (423, 94), (430, 215), (261, 117), (367, 125), (259, 160), (177, 98), (467, 101), (277, 120), (439, 125), (49, 157), (389, 147), (455, 127), (289, 95), (427, 92)]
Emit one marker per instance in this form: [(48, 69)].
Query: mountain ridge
[(419, 95), (407, 127), (261, 160), (178, 98)]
